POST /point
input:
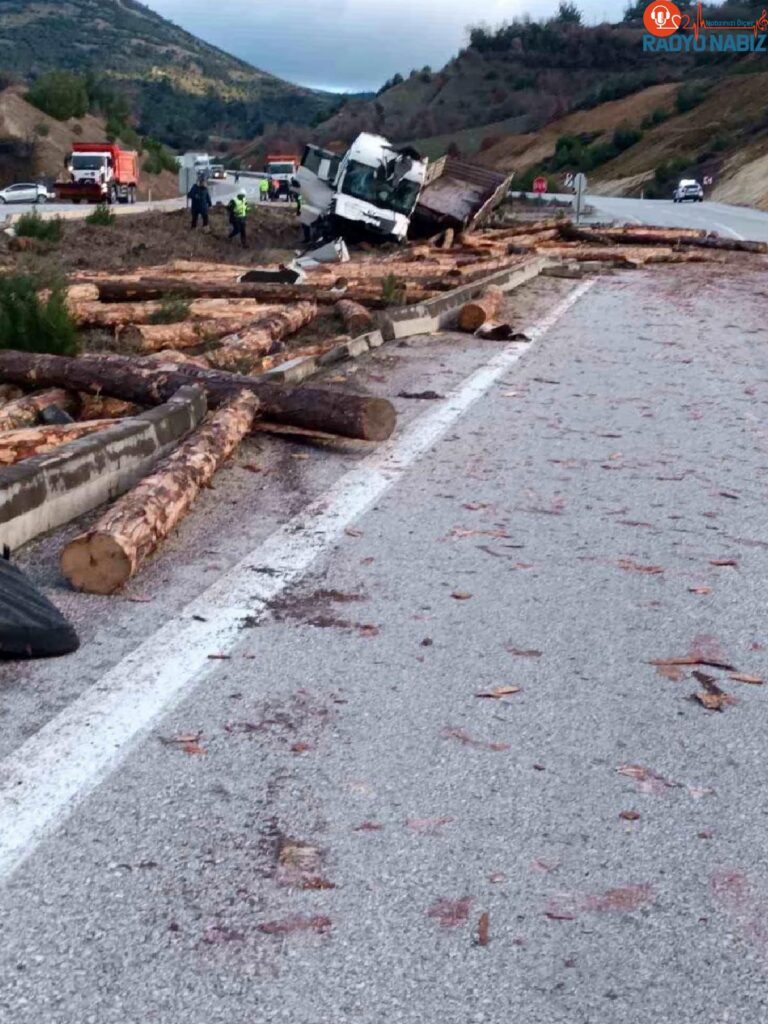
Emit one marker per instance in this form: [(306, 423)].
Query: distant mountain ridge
[(183, 90)]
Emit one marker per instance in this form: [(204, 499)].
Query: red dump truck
[(100, 172)]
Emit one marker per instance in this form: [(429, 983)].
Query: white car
[(25, 192), (688, 189)]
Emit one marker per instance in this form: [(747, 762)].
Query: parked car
[(688, 189), (25, 192)]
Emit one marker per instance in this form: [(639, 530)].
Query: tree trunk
[(553, 223), (169, 358), (9, 393), (25, 412), (474, 314), (241, 351), (188, 334), (104, 559), (270, 362), (368, 418), (99, 407), (104, 314), (17, 445), (357, 319), (155, 288)]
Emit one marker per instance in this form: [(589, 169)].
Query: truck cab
[(369, 192), (281, 168)]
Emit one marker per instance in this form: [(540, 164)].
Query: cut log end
[(96, 563), (380, 419)]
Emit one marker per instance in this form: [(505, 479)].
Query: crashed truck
[(380, 192)]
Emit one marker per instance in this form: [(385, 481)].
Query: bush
[(624, 137), (393, 290), (688, 97), (42, 129), (174, 309), (158, 158), (61, 94), (32, 225), (33, 323), (101, 217)]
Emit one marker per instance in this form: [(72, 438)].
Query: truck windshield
[(280, 168), (360, 182), (88, 163)]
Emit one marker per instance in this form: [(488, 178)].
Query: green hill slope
[(182, 89)]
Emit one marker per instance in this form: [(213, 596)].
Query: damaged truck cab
[(370, 191)]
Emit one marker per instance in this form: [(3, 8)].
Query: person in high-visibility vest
[(264, 190), (239, 216)]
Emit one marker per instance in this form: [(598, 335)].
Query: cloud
[(350, 45)]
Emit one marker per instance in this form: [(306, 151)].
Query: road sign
[(539, 185), (707, 180), (568, 180)]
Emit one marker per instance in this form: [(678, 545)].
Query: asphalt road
[(221, 190), (315, 825), (727, 220)]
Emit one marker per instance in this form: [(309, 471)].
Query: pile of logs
[(234, 326), (622, 246)]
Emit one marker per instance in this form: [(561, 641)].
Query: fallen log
[(155, 288), (169, 358), (17, 445), (261, 338), (100, 407), (104, 559), (510, 230), (356, 318), (333, 412), (9, 393), (187, 334), (26, 411), (474, 314), (733, 244), (103, 314)]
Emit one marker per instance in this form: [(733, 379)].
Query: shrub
[(61, 94), (174, 309), (158, 158), (42, 129), (101, 217), (688, 97), (33, 322), (393, 290), (32, 225), (624, 137)]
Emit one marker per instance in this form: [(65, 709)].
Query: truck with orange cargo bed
[(100, 172)]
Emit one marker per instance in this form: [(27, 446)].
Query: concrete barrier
[(46, 491), (434, 314)]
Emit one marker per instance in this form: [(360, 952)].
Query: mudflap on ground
[(30, 626)]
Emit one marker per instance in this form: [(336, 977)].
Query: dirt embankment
[(152, 239), (44, 144)]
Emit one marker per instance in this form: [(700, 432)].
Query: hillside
[(518, 78), (33, 145), (724, 135), (181, 89), (550, 97)]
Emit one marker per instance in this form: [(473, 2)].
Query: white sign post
[(579, 187)]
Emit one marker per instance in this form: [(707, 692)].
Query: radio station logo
[(667, 28)]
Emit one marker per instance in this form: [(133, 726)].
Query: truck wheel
[(76, 202), (132, 195), (42, 199)]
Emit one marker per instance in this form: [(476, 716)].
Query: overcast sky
[(351, 45)]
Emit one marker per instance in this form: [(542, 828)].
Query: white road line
[(724, 227), (45, 778)]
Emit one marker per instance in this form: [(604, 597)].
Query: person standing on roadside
[(199, 203), (238, 219), (263, 190)]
